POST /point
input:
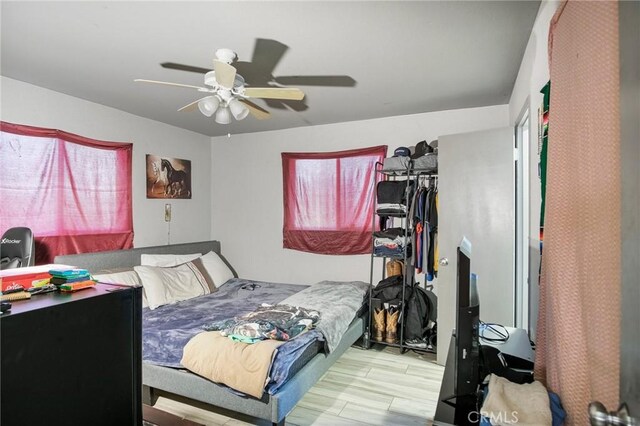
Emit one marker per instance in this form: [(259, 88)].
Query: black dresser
[(73, 358)]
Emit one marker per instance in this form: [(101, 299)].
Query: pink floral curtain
[(329, 200), (73, 192), (578, 337)]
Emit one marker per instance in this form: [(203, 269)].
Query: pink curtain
[(328, 200), (73, 192), (578, 336)]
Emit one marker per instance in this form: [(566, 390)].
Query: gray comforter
[(338, 302)]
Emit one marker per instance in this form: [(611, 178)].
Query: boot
[(378, 324), (392, 326)]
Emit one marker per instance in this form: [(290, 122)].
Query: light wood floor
[(379, 386)]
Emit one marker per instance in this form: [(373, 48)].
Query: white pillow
[(216, 268), (167, 259), (170, 285), (124, 278)]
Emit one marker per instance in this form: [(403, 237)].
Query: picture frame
[(168, 177)]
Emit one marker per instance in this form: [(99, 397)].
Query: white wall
[(31, 105), (532, 76), (247, 188)]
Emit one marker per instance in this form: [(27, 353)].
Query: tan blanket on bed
[(241, 366)]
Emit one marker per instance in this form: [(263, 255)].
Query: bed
[(163, 378)]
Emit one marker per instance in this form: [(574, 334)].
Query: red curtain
[(73, 192), (329, 200)]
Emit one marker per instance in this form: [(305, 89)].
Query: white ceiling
[(394, 58)]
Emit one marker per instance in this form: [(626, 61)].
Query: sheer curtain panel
[(329, 200), (73, 192)]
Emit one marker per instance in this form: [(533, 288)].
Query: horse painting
[(178, 183), (168, 177)]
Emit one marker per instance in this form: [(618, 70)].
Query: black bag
[(421, 313), (393, 191), (389, 290)]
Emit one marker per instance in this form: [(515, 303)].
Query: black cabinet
[(73, 358)]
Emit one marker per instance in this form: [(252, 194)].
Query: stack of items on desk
[(71, 279)]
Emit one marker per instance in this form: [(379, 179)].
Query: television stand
[(464, 410)]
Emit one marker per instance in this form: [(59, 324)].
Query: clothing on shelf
[(391, 208), (393, 197), (390, 242), (390, 251)]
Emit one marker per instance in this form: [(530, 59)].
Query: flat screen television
[(467, 345)]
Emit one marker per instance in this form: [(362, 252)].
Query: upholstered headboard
[(127, 259)]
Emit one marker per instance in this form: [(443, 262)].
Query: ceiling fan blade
[(192, 106), (183, 67), (225, 74), (317, 80), (256, 111), (274, 93), (166, 83)]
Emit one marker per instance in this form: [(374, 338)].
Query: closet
[(402, 308)]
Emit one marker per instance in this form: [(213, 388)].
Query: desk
[(517, 350), (73, 358)]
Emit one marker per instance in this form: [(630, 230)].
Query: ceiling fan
[(261, 71), (226, 92)]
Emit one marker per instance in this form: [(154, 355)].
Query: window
[(73, 192), (328, 200)]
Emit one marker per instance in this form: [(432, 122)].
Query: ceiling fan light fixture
[(208, 105), (223, 115), (238, 109)]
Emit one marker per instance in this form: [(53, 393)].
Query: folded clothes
[(391, 252), (390, 233), (391, 208), (391, 243)]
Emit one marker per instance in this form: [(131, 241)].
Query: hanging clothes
[(419, 228), (433, 233), (424, 216)]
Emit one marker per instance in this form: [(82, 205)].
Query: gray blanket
[(338, 302)]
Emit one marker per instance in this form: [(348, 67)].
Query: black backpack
[(389, 290), (421, 313)]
